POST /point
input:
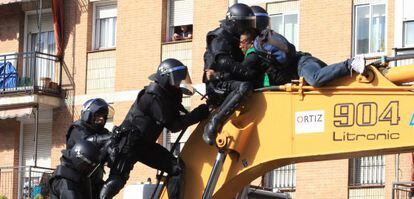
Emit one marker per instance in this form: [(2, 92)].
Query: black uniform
[(68, 182), (156, 107), (224, 56)]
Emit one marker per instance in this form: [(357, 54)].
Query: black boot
[(226, 109), (176, 182), (111, 187), (211, 129)]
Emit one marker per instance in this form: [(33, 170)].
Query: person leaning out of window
[(184, 34)]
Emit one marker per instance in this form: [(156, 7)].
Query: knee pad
[(113, 185), (245, 88)]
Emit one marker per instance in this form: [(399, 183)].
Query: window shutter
[(181, 12), (47, 23), (367, 170), (359, 2), (283, 7), (106, 11), (43, 147)]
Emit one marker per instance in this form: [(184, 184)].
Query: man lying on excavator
[(270, 57)]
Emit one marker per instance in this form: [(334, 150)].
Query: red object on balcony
[(57, 10)]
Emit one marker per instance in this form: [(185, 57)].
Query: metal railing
[(24, 182), (282, 179), (30, 72), (403, 190)]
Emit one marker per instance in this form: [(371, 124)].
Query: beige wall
[(138, 42), (10, 28), (326, 33)]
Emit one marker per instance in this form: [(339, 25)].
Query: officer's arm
[(220, 49), (99, 139), (280, 76), (250, 68), (161, 116), (76, 136), (174, 123), (227, 63)]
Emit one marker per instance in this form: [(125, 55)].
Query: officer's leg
[(239, 90), (118, 177), (215, 94), (158, 157), (65, 189)]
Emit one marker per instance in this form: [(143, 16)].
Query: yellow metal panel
[(352, 117)]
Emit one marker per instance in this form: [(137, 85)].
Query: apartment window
[(369, 28), (180, 20), (287, 25), (283, 178), (42, 66), (408, 33), (105, 25), (284, 19), (367, 171)]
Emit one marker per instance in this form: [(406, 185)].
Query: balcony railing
[(403, 190), (30, 72), (33, 182)]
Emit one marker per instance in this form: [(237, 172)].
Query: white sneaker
[(358, 64)]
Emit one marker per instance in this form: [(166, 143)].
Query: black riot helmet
[(84, 156), (171, 72), (262, 18), (93, 108), (242, 16)]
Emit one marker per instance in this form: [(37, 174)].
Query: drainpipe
[(37, 49), (36, 135), (397, 167), (39, 23)]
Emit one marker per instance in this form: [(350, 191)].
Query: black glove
[(201, 112), (118, 132)]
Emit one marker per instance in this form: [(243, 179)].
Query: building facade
[(109, 48)]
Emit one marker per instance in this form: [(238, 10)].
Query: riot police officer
[(262, 18), (222, 60), (157, 107), (81, 170)]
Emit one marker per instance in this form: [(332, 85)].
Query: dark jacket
[(156, 108), (223, 53)]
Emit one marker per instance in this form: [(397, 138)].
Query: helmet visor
[(177, 74), (111, 111), (186, 86), (245, 24)]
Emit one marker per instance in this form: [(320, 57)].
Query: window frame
[(355, 29), (170, 28), (403, 33), (283, 14), (287, 171), (95, 46), (352, 172)]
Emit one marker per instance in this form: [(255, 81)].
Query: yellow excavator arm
[(354, 116)]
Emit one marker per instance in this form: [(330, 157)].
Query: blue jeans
[(317, 73)]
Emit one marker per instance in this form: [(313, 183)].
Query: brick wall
[(10, 29), (138, 42), (324, 180), (326, 33), (9, 156), (9, 139)]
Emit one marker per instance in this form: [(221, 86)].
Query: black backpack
[(274, 49)]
